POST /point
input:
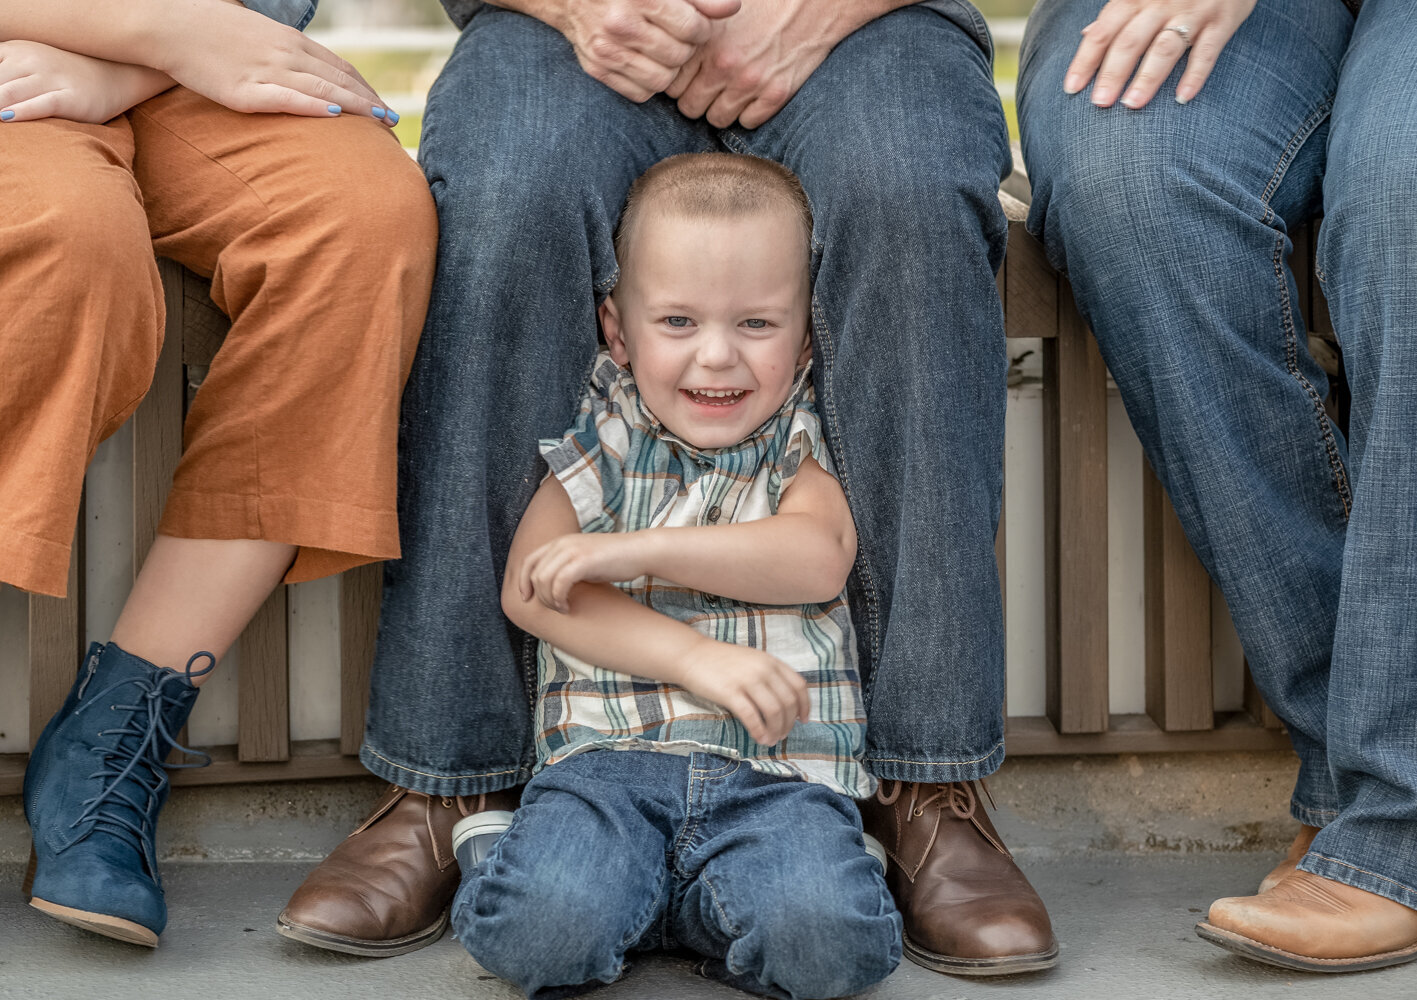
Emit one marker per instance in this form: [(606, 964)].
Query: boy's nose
[(716, 350)]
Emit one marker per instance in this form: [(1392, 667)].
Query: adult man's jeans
[(900, 142), (1172, 223)]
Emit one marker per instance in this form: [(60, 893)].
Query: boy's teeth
[(718, 393)]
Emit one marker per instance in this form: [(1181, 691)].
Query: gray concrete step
[(1124, 921)]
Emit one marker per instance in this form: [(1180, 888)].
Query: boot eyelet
[(917, 812), (447, 802)]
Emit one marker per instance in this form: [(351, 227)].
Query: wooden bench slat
[(56, 638), (1075, 524), (1180, 691), (263, 687), (361, 592)]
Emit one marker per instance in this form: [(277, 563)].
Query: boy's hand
[(40, 81), (765, 694), (552, 570)]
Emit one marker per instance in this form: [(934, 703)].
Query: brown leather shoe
[(1314, 924), (385, 889), (1297, 850), (968, 909)]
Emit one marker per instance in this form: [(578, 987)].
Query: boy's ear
[(614, 336), (806, 354)]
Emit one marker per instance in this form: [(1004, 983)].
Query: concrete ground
[(1124, 921)]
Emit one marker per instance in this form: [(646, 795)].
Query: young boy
[(699, 715)]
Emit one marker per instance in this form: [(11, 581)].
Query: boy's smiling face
[(711, 316)]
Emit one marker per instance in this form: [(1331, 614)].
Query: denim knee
[(539, 933), (819, 942)]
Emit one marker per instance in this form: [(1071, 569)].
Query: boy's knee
[(516, 927), (818, 949)]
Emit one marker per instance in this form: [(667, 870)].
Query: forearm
[(848, 15), (136, 32), (790, 558), (611, 630)]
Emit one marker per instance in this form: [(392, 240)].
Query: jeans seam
[(733, 928), (827, 405), (1291, 360), (429, 774), (937, 763), (1401, 885), (1291, 149)]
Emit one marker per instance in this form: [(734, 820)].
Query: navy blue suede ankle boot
[(95, 783)]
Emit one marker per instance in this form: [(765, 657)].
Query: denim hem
[(1359, 877), (938, 772), (1310, 815), (442, 784)]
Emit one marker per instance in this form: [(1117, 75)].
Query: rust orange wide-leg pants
[(319, 237)]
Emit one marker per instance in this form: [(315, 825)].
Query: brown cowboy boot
[(1314, 924), (1295, 854), (386, 888), (968, 909)]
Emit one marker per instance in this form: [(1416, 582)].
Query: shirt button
[(715, 512), (710, 599)]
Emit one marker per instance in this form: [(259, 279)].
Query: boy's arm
[(614, 631), (801, 555)]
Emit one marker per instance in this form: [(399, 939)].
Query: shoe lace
[(136, 758), (957, 796)]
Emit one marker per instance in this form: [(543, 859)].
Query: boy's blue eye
[(755, 324), (677, 321)]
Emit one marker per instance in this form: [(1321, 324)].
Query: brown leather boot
[(385, 889), (1315, 924), (1296, 853), (968, 909)]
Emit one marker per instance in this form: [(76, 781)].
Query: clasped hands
[(722, 60)]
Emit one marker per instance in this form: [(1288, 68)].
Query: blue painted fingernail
[(377, 112), (393, 117), (334, 109), (6, 115)]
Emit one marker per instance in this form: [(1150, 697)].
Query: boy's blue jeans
[(617, 850), (900, 142), (1172, 223)]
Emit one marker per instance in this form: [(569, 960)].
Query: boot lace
[(136, 758), (958, 796)]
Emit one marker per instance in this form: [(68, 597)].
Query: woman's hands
[(249, 62), (1130, 30), (40, 81)]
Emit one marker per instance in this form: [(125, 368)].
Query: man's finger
[(681, 20), (725, 108), (698, 96), (760, 110), (1166, 49), (717, 9), (684, 77)]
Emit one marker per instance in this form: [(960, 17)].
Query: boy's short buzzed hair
[(714, 185)]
